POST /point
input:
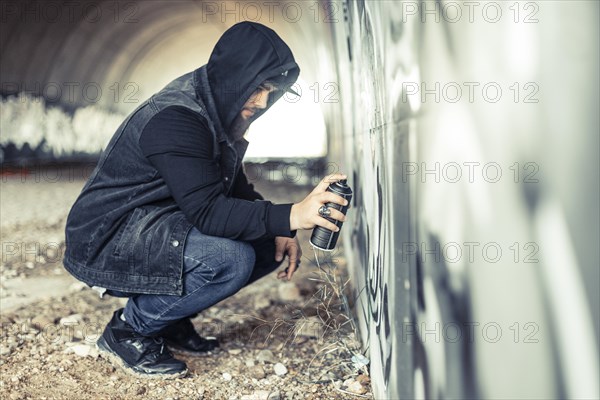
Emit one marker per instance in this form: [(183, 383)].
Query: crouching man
[(168, 218)]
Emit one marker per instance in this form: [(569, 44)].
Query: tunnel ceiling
[(129, 50)]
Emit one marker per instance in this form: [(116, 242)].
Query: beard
[(239, 127)]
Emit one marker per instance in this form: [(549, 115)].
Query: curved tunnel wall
[(110, 44), (400, 128), (107, 57)]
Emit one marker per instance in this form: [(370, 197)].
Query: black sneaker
[(183, 338), (139, 355)]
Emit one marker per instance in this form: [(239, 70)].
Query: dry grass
[(326, 315)]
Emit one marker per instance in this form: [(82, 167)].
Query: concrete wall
[(128, 49), (472, 135)]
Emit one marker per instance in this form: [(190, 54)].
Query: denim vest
[(125, 232)]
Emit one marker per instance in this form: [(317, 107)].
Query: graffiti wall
[(465, 125)]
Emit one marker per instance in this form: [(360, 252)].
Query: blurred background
[(469, 131)]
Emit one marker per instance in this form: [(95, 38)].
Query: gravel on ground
[(279, 339)]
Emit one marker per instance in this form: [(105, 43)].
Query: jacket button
[(175, 243), (226, 179)]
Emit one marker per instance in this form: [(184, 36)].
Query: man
[(168, 219)]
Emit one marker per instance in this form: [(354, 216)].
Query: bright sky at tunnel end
[(294, 127)]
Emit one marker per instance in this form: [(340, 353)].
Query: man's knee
[(234, 258), (227, 258)]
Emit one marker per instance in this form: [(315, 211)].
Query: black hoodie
[(245, 56), (179, 143)]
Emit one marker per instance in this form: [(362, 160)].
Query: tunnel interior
[(469, 132), (108, 57)]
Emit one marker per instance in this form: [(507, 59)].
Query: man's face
[(256, 102)]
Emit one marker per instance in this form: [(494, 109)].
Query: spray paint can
[(322, 238)]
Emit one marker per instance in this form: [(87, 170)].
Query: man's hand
[(305, 215), (291, 247)]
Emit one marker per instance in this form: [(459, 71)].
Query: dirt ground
[(279, 340)]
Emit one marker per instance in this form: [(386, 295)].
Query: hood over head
[(245, 56)]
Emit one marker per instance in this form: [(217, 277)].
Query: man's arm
[(242, 189), (179, 145)]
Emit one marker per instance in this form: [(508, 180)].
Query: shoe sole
[(185, 352), (106, 352)]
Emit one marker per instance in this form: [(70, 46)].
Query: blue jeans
[(214, 268)]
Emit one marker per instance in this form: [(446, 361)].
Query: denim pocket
[(124, 238), (197, 274)]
